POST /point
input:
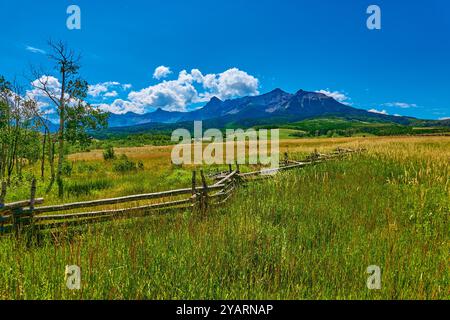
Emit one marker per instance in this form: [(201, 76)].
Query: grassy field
[(306, 234)]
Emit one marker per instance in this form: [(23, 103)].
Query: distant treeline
[(133, 140), (378, 131)]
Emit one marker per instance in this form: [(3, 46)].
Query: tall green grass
[(306, 234)]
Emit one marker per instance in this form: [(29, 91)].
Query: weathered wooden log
[(227, 178), (227, 197), (269, 170), (5, 219), (105, 218), (112, 211), (95, 203), (20, 204)]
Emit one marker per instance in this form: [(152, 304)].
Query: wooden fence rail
[(102, 202), (16, 216)]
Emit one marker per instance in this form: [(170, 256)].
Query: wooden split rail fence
[(21, 215)]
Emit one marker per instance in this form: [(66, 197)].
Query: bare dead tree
[(67, 66), (68, 95)]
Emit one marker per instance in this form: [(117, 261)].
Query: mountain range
[(276, 106)]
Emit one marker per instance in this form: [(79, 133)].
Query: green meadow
[(305, 234)]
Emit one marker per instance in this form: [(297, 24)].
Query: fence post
[(286, 158), (194, 174), (230, 169), (204, 196), (16, 220), (194, 190), (2, 203), (314, 156), (3, 194), (32, 200)]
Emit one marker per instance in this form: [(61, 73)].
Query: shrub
[(124, 164), (88, 167), (67, 168), (84, 188), (109, 154)]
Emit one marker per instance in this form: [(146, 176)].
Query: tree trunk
[(2, 161), (43, 156), (62, 112), (13, 153), (59, 180), (51, 160)]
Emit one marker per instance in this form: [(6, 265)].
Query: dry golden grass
[(402, 146)]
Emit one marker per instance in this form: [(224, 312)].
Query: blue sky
[(242, 47)]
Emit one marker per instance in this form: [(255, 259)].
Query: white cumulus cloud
[(111, 94), (106, 89), (402, 105), (35, 50), (379, 111), (120, 106), (336, 95), (172, 95), (169, 95), (161, 72), (194, 87), (228, 84)]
